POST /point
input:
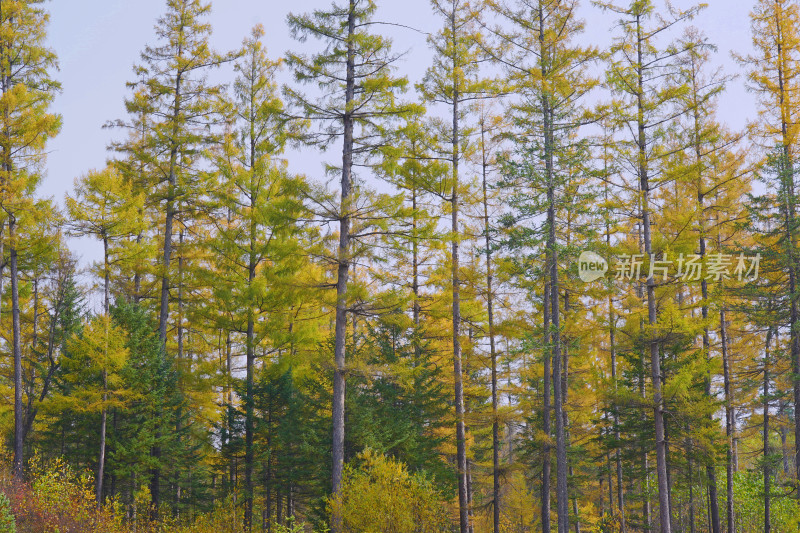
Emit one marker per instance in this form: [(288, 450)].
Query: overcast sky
[(98, 42)]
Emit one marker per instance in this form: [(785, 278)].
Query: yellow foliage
[(381, 496)]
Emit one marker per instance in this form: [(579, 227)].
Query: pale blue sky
[(98, 41)]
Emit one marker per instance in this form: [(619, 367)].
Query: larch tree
[(174, 95), (104, 206), (26, 124), (644, 103), (44, 265), (711, 171), (453, 81), (357, 98), (549, 73), (774, 75), (769, 298), (491, 126), (259, 204)]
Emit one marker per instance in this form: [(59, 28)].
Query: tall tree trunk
[(171, 212), (492, 349), (137, 275), (610, 480), (562, 494), (645, 482), (612, 345), (16, 348), (783, 434), (342, 273), (470, 494), (729, 422), (565, 394), (461, 439), (665, 516), (415, 275), (766, 449), (546, 407), (102, 458), (690, 464), (248, 430), (698, 154), (251, 276), (279, 505), (711, 468), (229, 411), (101, 461), (617, 451), (166, 257)]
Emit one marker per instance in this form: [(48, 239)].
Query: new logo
[(591, 266)]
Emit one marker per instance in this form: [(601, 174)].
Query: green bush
[(7, 522), (748, 488)]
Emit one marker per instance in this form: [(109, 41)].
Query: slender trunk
[(102, 458), (266, 520), (665, 515), (645, 484), (710, 468), (251, 276), (698, 154), (163, 313), (249, 416), (612, 343), (267, 513), (137, 275), (342, 274), (279, 505), (783, 433), (106, 277), (610, 485), (647, 504), (492, 349), (461, 444), (562, 496), (546, 377), (766, 450), (16, 348), (690, 465), (415, 276), (171, 212), (729, 422), (34, 328), (137, 269), (470, 495), (229, 384), (617, 451), (101, 461), (461, 450), (290, 502), (179, 362)]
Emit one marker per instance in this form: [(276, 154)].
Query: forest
[(544, 287)]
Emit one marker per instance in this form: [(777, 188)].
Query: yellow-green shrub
[(55, 500), (381, 496)]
